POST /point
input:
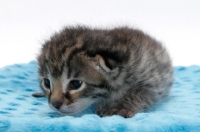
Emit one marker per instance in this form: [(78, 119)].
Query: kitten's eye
[(75, 84), (47, 83)]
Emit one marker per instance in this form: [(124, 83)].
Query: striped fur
[(123, 70)]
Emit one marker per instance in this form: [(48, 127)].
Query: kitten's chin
[(70, 112), (67, 113), (75, 108)]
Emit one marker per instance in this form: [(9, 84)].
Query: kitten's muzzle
[(56, 104)]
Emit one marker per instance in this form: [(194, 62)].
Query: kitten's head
[(73, 75)]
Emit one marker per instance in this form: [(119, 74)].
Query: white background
[(25, 24)]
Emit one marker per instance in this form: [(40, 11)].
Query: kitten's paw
[(125, 113), (116, 111)]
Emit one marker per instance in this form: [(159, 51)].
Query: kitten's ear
[(106, 65), (102, 63)]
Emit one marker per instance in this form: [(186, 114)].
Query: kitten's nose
[(57, 104)]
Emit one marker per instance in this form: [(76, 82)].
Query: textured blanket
[(20, 112)]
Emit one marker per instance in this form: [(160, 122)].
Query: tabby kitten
[(121, 71)]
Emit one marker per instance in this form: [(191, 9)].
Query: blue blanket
[(20, 112)]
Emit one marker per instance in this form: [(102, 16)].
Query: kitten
[(121, 71)]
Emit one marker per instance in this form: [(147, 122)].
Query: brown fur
[(122, 71)]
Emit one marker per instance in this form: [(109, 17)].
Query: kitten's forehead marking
[(69, 51), (65, 81)]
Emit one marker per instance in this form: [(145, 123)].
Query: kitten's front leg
[(133, 102)]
